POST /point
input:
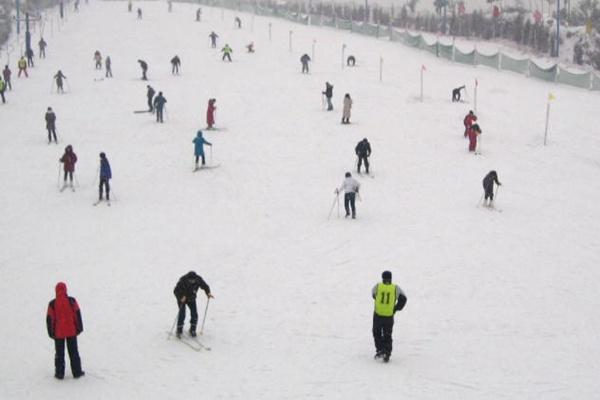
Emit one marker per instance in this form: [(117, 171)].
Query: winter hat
[(348, 175), (386, 276), (49, 108), (199, 133), (102, 155)]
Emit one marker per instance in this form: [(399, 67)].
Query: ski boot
[(178, 333), (386, 358), (378, 355), (192, 332)]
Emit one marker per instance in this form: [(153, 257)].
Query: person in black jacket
[(456, 93), (175, 63), (328, 93), (363, 151), (185, 293), (150, 95), (488, 187), (304, 60), (51, 125), (389, 298), (144, 66), (159, 104)]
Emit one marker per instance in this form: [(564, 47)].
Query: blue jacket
[(105, 172), (199, 142)]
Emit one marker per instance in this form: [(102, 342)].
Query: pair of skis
[(100, 201), (192, 342)]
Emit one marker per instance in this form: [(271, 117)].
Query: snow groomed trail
[(500, 305)]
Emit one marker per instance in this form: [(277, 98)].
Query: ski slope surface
[(501, 304)]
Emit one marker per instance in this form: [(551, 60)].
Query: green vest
[(2, 85), (22, 64), (385, 299)]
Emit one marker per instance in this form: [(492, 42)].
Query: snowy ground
[(501, 304)]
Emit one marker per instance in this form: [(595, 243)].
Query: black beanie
[(386, 276)]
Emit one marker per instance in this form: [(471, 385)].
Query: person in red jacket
[(468, 121), (68, 159), (64, 323), (210, 113), (474, 131)]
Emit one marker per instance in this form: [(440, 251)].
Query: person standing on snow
[(150, 95), (2, 90), (199, 143), (185, 293), (59, 81), (159, 104), (389, 298), (304, 60), (363, 151), (213, 39), (238, 22), (347, 108), (68, 159), (350, 187), (456, 94), (469, 120), (63, 321), (6, 74), (42, 45), (51, 125), (175, 63), (226, 52), (105, 177), (107, 64), (198, 14), (473, 133), (488, 187), (139, 13), (22, 64), (328, 93), (210, 113), (29, 53), (144, 66), (98, 59)]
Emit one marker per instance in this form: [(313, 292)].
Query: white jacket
[(350, 185)]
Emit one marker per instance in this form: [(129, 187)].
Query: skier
[(198, 14), (468, 121), (42, 45), (456, 94), (389, 298), (105, 177), (59, 81), (351, 61), (2, 90), (76, 6), (63, 321), (185, 293), (238, 22), (98, 59), (199, 143), (175, 63), (488, 187), (210, 113), (159, 104), (328, 93), (350, 188), (51, 125), (107, 65), (150, 96), (22, 64), (129, 6), (139, 13), (213, 39), (363, 152), (144, 66), (347, 108), (170, 5), (6, 74), (29, 54), (250, 47), (226, 52), (473, 133), (68, 159), (304, 60)]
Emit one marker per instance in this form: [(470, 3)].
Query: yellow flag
[(551, 97)]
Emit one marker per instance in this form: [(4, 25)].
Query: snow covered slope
[(500, 304)]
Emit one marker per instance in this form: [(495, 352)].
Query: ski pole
[(58, 180), (211, 155), (174, 322), (496, 194), (480, 199), (337, 196), (76, 180), (338, 206), (205, 312)]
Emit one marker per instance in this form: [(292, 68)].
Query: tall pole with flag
[(550, 98), (475, 96), (422, 70)]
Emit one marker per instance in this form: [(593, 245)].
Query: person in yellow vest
[(389, 298), (2, 89), (22, 64)]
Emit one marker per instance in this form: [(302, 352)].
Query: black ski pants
[(382, 333), (226, 56), (305, 68), (150, 106), (159, 114), (52, 134), (2, 95), (203, 159), (59, 357), (181, 316), (70, 175), (104, 183), (363, 158), (349, 203), (175, 69), (108, 72), (489, 192)]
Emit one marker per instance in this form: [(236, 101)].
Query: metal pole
[(270, 31), (380, 69), (557, 28), (547, 119), (343, 50), (291, 41), (18, 18)]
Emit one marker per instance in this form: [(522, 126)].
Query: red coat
[(210, 115), (63, 318), (472, 139), (469, 119), (69, 159)]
